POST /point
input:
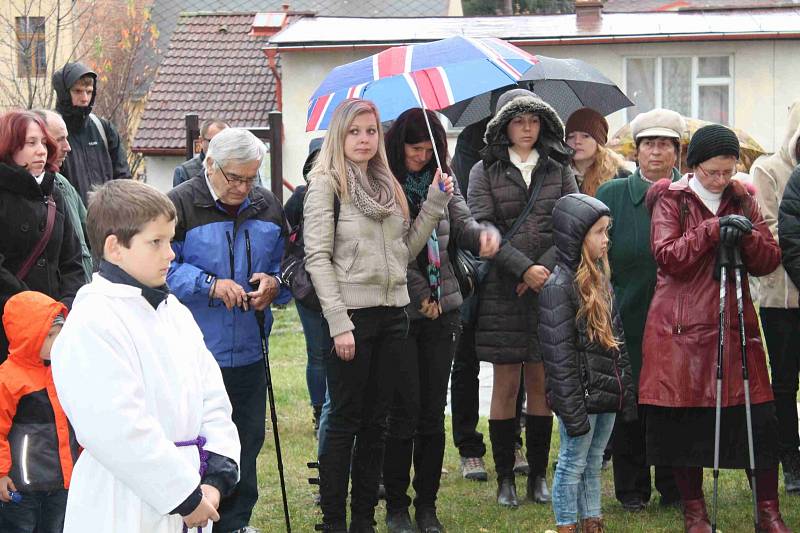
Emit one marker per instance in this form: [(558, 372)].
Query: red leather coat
[(681, 335)]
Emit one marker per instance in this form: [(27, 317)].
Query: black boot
[(367, 465), (501, 434), (791, 470), (334, 475), (427, 521), (428, 458), (397, 474), (317, 413), (538, 431)]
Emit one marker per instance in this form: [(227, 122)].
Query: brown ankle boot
[(695, 516), (769, 518), (569, 528), (592, 525)]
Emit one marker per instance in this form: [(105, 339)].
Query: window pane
[(713, 67), (713, 104), (641, 85), (676, 84)]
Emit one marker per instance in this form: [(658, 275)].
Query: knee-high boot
[(538, 433), (501, 433)]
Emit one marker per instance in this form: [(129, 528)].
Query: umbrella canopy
[(431, 75), (566, 84), (622, 143)]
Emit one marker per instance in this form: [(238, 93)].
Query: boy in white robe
[(144, 395)]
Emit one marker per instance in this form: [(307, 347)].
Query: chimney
[(588, 13)]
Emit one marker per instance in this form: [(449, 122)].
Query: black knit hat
[(711, 141)]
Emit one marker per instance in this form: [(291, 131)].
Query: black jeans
[(632, 479), (781, 327), (40, 511), (247, 390), (416, 417), (360, 391), (464, 400)]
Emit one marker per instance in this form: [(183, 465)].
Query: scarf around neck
[(416, 187), (372, 194)]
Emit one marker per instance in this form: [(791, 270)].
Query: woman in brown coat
[(523, 141)]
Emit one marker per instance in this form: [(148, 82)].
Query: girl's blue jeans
[(318, 346), (576, 485)]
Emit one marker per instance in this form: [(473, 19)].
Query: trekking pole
[(738, 265), (260, 318), (723, 263)]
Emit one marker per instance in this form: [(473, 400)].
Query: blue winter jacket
[(210, 243)]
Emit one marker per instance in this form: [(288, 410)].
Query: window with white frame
[(699, 87)]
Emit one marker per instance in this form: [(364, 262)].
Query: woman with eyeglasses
[(692, 219), (357, 257)]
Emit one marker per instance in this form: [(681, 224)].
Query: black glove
[(741, 222), (730, 236)]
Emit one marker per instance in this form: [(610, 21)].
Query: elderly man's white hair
[(235, 145)]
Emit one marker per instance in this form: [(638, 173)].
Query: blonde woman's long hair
[(592, 281), (605, 165), (331, 160)]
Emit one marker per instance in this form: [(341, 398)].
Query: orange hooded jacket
[(37, 445)]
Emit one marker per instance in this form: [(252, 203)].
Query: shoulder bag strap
[(528, 208), (100, 128), (40, 246)]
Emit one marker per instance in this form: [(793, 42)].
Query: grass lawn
[(464, 506)]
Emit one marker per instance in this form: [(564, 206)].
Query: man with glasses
[(228, 245), (194, 166)]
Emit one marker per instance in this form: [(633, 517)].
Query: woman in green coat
[(633, 276)]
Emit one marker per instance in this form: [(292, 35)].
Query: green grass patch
[(464, 506)]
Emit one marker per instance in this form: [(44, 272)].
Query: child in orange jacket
[(32, 421)]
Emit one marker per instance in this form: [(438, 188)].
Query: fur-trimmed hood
[(516, 102)]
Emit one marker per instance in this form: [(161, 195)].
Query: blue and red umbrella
[(431, 75)]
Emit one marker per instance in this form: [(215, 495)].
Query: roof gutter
[(181, 152), (552, 41)]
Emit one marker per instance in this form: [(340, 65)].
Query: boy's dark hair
[(122, 208)]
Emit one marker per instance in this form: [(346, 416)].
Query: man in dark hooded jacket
[(98, 154)]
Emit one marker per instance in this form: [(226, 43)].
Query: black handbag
[(470, 270), (293, 265)]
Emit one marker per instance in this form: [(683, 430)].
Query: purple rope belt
[(199, 442)]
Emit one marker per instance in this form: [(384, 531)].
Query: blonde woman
[(356, 255), (588, 374), (593, 163)]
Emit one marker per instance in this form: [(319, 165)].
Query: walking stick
[(273, 415), (738, 265), (723, 263)]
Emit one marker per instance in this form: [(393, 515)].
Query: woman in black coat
[(27, 166), (525, 152)]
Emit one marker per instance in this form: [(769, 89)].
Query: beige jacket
[(770, 175), (364, 263)]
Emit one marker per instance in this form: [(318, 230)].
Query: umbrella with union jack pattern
[(432, 75)]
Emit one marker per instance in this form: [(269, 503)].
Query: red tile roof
[(213, 67)]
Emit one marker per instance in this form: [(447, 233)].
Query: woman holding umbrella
[(593, 163), (691, 219), (358, 264), (523, 172), (416, 419)]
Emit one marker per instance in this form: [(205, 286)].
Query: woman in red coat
[(677, 383)]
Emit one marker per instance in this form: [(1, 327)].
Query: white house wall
[(766, 77), (159, 170)]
